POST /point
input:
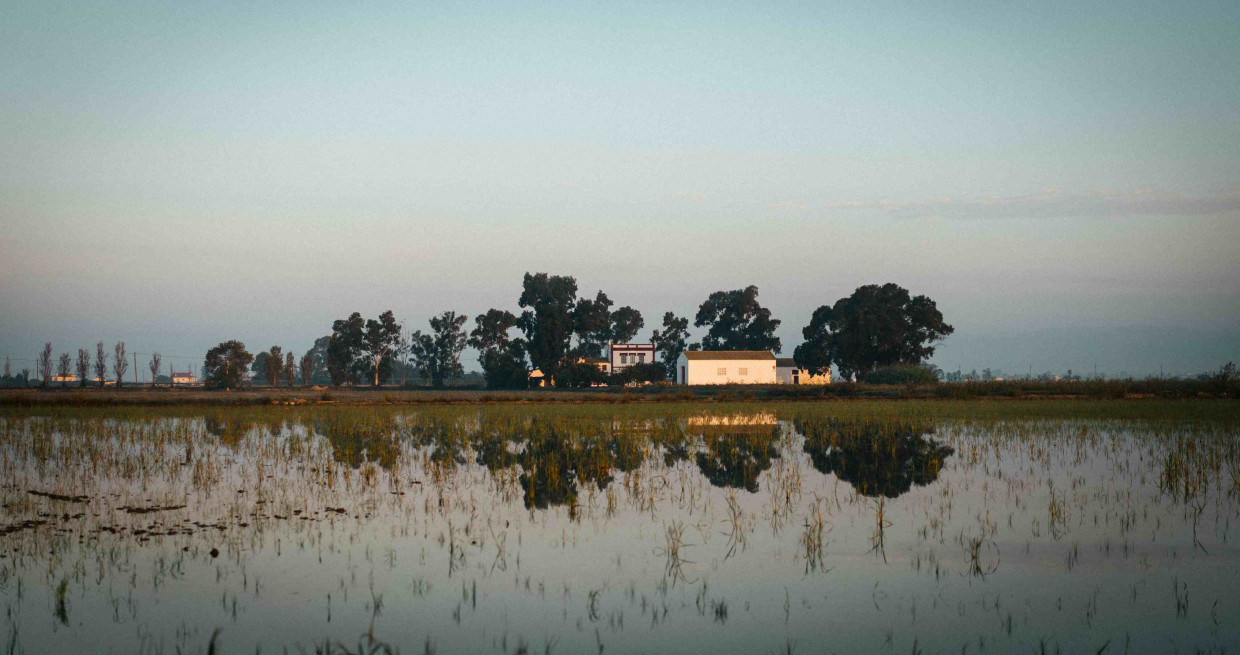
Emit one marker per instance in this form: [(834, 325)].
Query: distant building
[(64, 378), (787, 372), (186, 377), (696, 367), (537, 379), (623, 355)]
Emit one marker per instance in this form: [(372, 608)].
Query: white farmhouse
[(786, 372), (725, 367), (623, 355)]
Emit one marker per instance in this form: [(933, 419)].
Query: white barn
[(787, 372), (725, 367)]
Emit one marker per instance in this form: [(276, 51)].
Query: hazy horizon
[(1064, 181)]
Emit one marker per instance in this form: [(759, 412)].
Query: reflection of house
[(183, 378), (786, 372), (623, 355), (725, 367)]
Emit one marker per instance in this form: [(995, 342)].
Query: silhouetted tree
[(225, 365), (83, 366), (592, 324), (155, 363), (64, 368), (502, 358), (625, 324), (344, 349), (735, 321), (290, 369), (119, 363), (876, 458), (379, 340), (101, 363), (548, 323), (671, 341), (44, 364), (437, 355), (307, 369), (875, 326)]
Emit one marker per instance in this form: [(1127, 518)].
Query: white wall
[(706, 371), (784, 375)]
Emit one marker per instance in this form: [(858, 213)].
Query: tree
[(671, 341), (259, 367), (65, 366), (275, 365), (592, 324), (155, 362), (548, 323), (735, 321), (225, 365), (379, 340), (44, 363), (875, 326), (119, 363), (502, 358), (625, 323), (83, 366), (101, 362), (318, 361), (290, 369), (308, 366), (8, 377), (437, 355), (344, 349)]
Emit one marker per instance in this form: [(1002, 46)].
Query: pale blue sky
[(175, 175)]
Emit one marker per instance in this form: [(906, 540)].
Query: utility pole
[(137, 374)]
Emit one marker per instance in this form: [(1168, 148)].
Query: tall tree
[(156, 360), (259, 366), (290, 369), (318, 361), (501, 357), (225, 365), (437, 355), (8, 377), (875, 326), (671, 341), (548, 322), (344, 349), (119, 363), (101, 362), (379, 340), (735, 321), (275, 365), (83, 366), (625, 324), (592, 324), (64, 367), (44, 363), (308, 368)]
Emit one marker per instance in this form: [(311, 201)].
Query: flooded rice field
[(746, 528)]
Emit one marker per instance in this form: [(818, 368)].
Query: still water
[(742, 529)]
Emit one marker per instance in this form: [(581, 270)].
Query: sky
[(1063, 180)]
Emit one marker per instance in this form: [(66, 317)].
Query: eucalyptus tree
[(437, 355), (671, 341), (120, 363), (502, 357), (548, 321), (734, 320)]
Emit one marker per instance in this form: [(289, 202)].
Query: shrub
[(902, 374)]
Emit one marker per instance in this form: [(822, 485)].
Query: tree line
[(557, 332)]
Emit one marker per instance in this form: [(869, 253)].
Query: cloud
[(1054, 203)]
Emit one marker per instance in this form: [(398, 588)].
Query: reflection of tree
[(736, 456), (356, 442), (877, 459), (228, 429)]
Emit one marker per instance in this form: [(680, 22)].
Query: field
[(351, 525)]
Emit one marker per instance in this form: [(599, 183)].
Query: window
[(624, 359), (641, 359), (721, 371), (743, 371)]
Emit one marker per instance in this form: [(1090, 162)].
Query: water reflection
[(877, 459)]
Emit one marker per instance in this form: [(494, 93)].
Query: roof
[(727, 354), (785, 362)]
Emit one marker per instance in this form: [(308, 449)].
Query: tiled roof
[(728, 354), (785, 362)]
